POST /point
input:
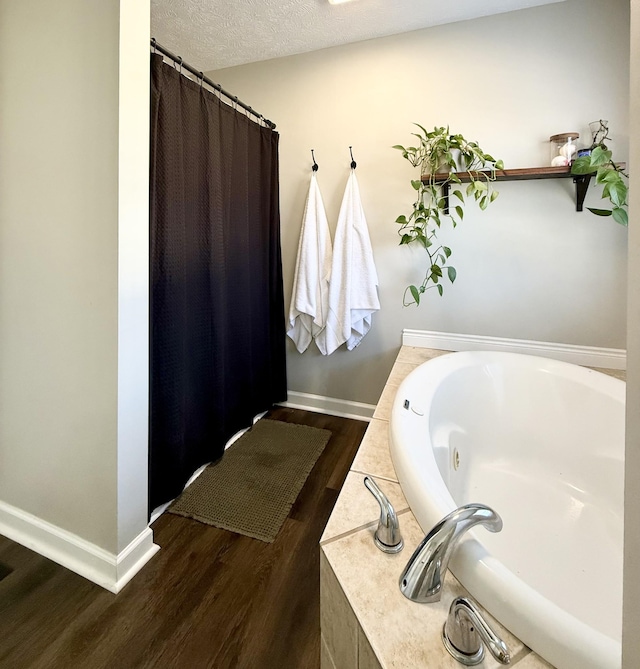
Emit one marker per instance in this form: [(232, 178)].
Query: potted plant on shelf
[(439, 154), (609, 174)]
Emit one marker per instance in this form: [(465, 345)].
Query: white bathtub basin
[(542, 443)]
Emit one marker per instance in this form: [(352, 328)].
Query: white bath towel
[(353, 295), (310, 296)]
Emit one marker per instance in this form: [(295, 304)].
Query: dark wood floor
[(209, 598)]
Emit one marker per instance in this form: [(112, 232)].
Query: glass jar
[(564, 148)]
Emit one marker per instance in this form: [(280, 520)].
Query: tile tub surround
[(366, 622)]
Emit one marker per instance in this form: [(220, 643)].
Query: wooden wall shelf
[(581, 180)]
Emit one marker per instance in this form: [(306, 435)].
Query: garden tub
[(542, 443)]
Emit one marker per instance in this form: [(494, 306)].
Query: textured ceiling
[(211, 34)]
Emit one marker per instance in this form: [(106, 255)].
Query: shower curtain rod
[(200, 75)]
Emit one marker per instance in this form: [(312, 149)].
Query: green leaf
[(415, 294), (583, 166), (618, 193), (494, 195), (451, 271), (440, 289), (470, 188), (416, 183), (479, 186), (607, 175), (484, 203), (421, 128), (397, 146), (460, 212), (447, 251), (435, 269), (402, 220), (620, 216), (406, 239), (600, 156), (600, 212), (459, 195), (499, 165)]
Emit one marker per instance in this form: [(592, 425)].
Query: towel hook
[(201, 79), (153, 39), (315, 165), (353, 162)]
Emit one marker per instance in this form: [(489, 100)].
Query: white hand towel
[(309, 299), (353, 295)]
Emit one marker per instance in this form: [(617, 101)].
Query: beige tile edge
[(377, 476), (348, 533)]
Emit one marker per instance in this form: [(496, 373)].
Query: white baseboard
[(106, 569), (329, 405), (131, 560), (588, 356)]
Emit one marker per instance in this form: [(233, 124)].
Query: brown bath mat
[(253, 487)]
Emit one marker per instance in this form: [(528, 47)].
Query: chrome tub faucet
[(423, 577)]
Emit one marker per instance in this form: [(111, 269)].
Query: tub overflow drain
[(456, 459)]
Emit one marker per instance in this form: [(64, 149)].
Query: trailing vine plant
[(608, 174), (439, 154)]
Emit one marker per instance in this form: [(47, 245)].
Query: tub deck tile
[(401, 633), (616, 373), (400, 371), (417, 355), (533, 661), (383, 409), (373, 455)]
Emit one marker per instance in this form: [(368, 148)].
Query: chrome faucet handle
[(387, 537), (466, 633), (423, 577)]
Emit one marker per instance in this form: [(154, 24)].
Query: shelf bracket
[(445, 196), (582, 184)]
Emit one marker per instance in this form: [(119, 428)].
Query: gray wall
[(530, 267), (71, 452)]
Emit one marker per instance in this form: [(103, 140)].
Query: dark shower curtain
[(217, 312)]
